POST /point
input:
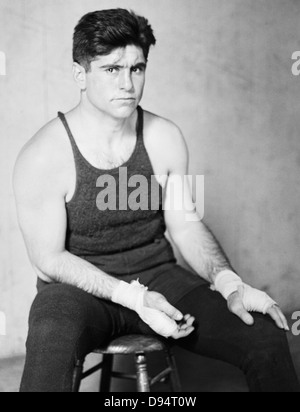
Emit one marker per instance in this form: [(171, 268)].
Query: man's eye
[(137, 70), (112, 70)]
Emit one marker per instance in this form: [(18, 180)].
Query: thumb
[(246, 317), (237, 307), (169, 310)]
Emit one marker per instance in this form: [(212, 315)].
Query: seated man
[(109, 271)]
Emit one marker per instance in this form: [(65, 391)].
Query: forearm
[(67, 268), (159, 315), (202, 252)]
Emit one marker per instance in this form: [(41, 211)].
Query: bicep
[(180, 209), (41, 210), (178, 201)]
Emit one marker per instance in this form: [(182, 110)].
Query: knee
[(55, 312), (268, 343), (266, 335)]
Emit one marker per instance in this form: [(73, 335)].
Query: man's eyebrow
[(107, 66), (140, 65)]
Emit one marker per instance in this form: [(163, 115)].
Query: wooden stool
[(139, 346)]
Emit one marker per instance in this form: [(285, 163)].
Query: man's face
[(115, 83)]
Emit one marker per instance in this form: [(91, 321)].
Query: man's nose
[(125, 81)]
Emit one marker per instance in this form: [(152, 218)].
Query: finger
[(275, 315), (186, 319), (283, 318), (183, 333), (182, 324), (169, 310), (188, 322), (239, 310)]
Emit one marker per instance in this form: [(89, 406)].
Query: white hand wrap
[(227, 282), (255, 300), (132, 296)]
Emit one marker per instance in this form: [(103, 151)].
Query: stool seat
[(138, 346), (133, 344)]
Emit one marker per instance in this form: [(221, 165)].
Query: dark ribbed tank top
[(120, 242)]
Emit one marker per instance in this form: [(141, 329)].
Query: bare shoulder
[(157, 124), (44, 145), (43, 156), (168, 138)]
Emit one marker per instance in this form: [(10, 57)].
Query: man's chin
[(124, 111)]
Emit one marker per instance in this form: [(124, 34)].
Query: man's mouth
[(125, 98), (127, 101)]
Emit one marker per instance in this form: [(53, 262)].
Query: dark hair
[(100, 32)]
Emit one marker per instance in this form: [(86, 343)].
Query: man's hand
[(237, 307), (157, 301)]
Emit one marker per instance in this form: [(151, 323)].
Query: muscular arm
[(40, 198), (194, 239), (202, 251)]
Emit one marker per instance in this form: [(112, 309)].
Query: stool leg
[(77, 376), (143, 384), (105, 381), (175, 381)]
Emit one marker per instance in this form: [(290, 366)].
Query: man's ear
[(79, 74)]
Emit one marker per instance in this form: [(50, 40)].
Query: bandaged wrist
[(128, 294), (132, 296), (226, 283)]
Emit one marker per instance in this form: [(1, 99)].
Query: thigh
[(66, 324), (221, 335), (63, 313)]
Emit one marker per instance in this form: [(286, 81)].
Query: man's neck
[(100, 126)]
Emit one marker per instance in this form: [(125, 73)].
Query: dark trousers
[(66, 324)]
